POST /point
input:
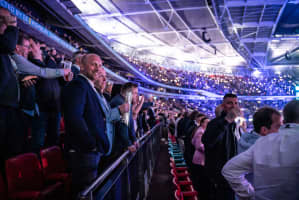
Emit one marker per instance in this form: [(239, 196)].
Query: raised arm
[(27, 67)]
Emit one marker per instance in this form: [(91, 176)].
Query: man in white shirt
[(274, 161)]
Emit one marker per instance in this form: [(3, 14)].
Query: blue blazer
[(84, 118)]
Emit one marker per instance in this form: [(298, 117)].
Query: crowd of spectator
[(277, 85), (24, 7), (227, 159), (101, 121), (38, 89)]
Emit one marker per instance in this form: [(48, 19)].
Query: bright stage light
[(256, 73)]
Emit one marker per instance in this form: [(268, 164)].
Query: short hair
[(203, 119), (2, 21), (75, 55), (263, 117), (230, 95), (291, 112), (127, 86), (22, 37), (85, 58), (193, 115)]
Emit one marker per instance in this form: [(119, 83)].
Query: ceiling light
[(256, 73)]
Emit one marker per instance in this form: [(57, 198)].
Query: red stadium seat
[(25, 179), (62, 129), (54, 167), (185, 190)]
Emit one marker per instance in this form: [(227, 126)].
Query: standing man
[(111, 115), (86, 139), (76, 62), (220, 142), (126, 133), (11, 123), (273, 160), (266, 120)]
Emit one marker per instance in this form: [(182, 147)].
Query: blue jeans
[(84, 170), (47, 122)]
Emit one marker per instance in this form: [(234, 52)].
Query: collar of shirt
[(291, 125), (76, 66), (89, 81)]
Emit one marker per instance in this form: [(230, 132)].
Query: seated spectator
[(273, 160)]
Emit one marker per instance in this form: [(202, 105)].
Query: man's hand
[(69, 76), (124, 108), (136, 144), (11, 20), (132, 148), (29, 81), (141, 100), (35, 49)]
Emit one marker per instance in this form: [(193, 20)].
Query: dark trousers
[(201, 181), (13, 135), (47, 122), (84, 170), (221, 190)]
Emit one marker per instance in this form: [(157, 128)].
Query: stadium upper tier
[(180, 81)]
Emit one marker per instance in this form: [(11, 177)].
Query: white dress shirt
[(274, 161)]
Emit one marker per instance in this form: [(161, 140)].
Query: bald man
[(86, 138)]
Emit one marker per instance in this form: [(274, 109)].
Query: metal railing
[(123, 170)]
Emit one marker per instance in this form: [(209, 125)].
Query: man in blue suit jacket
[(86, 138)]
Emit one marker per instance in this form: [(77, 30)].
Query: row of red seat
[(179, 170), (28, 178)]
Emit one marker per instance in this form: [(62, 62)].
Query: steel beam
[(157, 32), (189, 29), (241, 3), (239, 38), (248, 40), (254, 24), (275, 24), (258, 28), (118, 14), (163, 20)]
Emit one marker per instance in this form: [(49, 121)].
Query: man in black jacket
[(11, 123), (124, 131), (220, 145)]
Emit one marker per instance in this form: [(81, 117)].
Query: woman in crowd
[(201, 181)]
